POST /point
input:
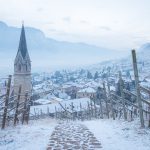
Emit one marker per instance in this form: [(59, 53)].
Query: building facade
[(86, 92)]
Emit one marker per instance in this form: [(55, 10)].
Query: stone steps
[(72, 136)]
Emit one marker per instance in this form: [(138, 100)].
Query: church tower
[(22, 68)]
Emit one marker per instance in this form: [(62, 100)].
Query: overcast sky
[(117, 24)]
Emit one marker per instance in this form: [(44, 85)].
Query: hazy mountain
[(144, 52), (145, 47), (47, 52)]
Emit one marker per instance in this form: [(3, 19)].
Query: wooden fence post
[(122, 95), (95, 110), (6, 102), (28, 110), (148, 109), (34, 112), (41, 113), (48, 110), (17, 106), (89, 110), (81, 112), (111, 101), (101, 108), (106, 101), (91, 106), (55, 112), (25, 108), (137, 87), (72, 108)]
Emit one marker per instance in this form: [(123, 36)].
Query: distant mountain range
[(49, 53), (143, 60), (36, 41)]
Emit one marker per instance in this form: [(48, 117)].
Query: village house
[(71, 89), (86, 92)]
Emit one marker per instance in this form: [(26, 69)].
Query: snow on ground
[(113, 135), (120, 135), (34, 136)]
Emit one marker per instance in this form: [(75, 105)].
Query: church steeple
[(22, 44), (22, 61), (22, 68)]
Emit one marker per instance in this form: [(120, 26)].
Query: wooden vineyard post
[(95, 109), (72, 111), (65, 112), (58, 113), (81, 112), (89, 110), (38, 113), (6, 102), (28, 110), (101, 108), (111, 101), (25, 108), (137, 87), (55, 112), (34, 113), (17, 106), (148, 116), (41, 113), (91, 106), (99, 98), (47, 110), (122, 95), (106, 101)]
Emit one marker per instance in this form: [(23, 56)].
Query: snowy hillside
[(113, 135)]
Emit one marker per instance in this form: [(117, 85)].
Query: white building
[(86, 92)]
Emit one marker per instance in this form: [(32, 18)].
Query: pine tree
[(95, 75), (89, 75)]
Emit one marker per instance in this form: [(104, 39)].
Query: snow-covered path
[(71, 136)]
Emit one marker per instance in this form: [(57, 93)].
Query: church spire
[(22, 62), (22, 44), (22, 69)]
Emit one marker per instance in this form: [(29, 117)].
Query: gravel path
[(72, 136)]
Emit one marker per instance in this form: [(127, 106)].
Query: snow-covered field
[(113, 135), (34, 136), (120, 135)]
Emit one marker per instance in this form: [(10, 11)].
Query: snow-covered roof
[(43, 101), (112, 88), (63, 95), (148, 80), (57, 99), (87, 90), (145, 84), (70, 84)]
